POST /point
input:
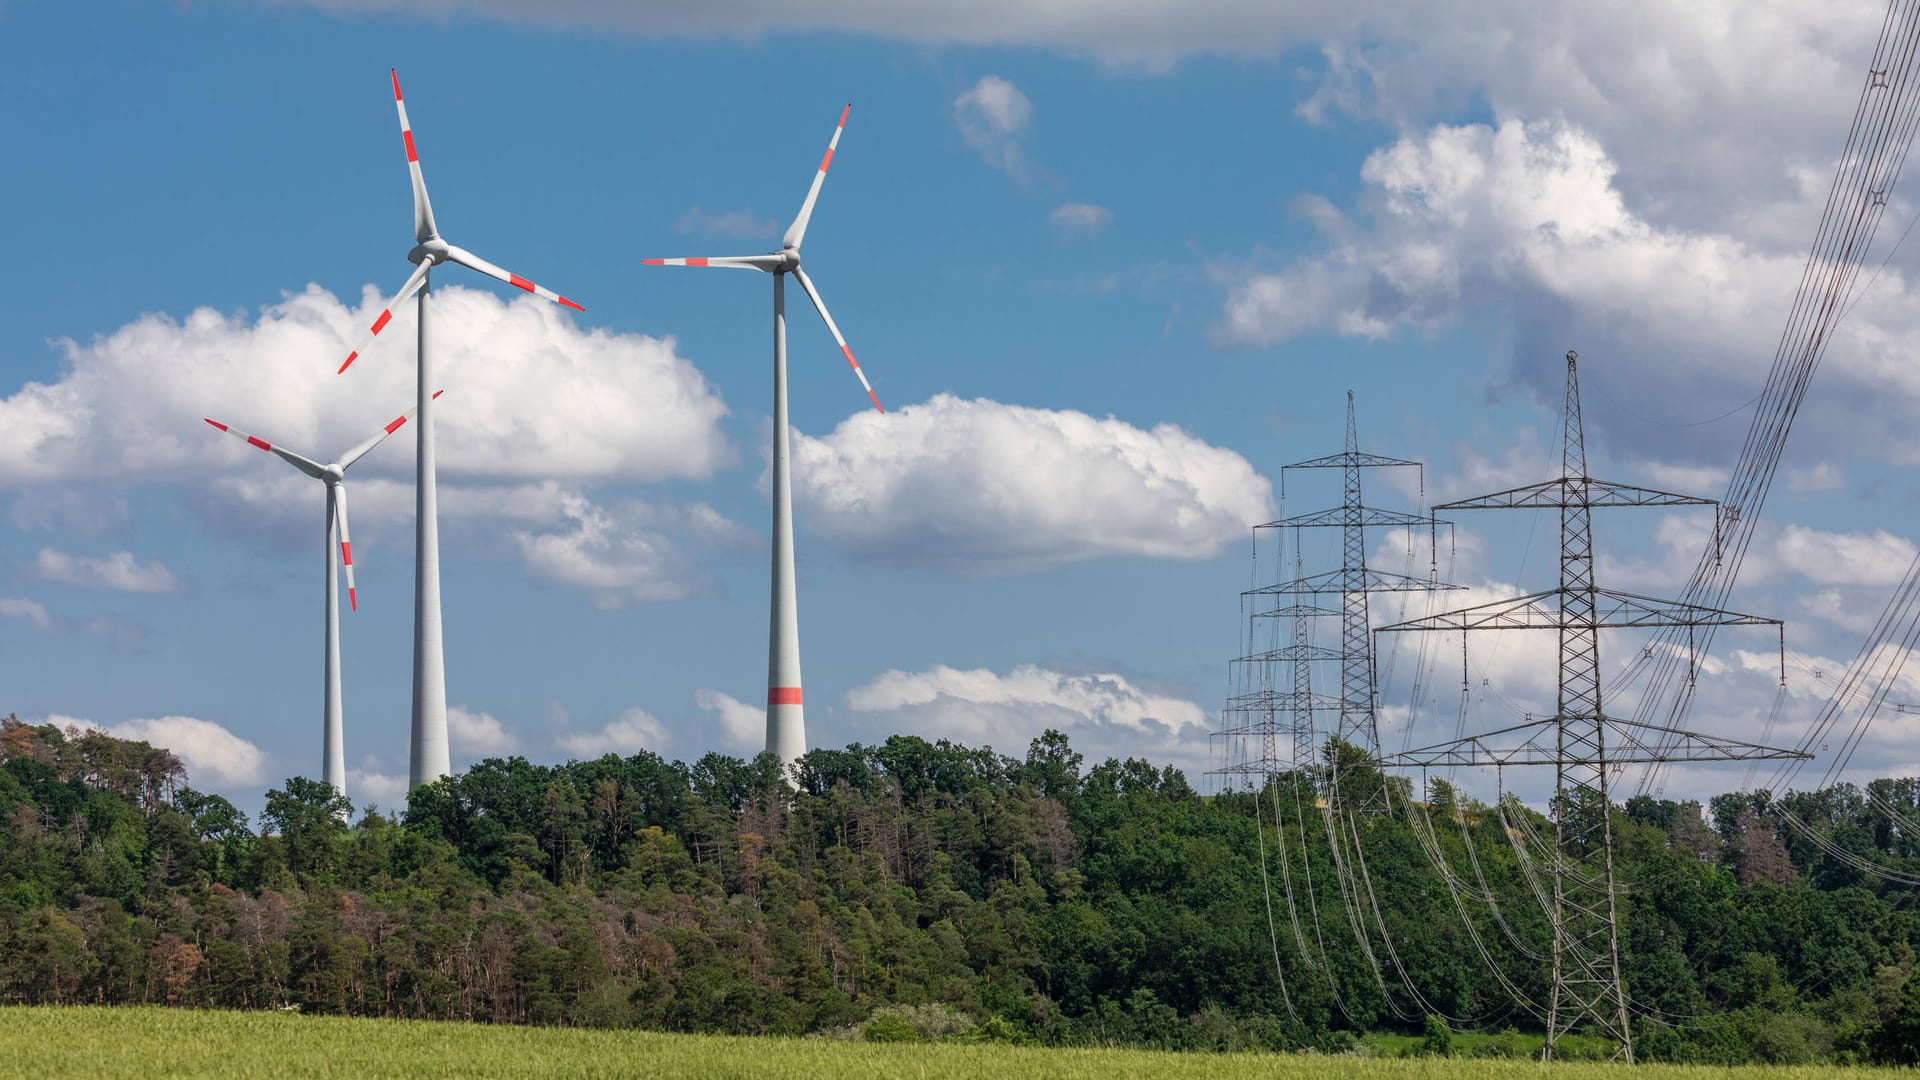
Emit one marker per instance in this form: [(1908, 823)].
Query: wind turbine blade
[(386, 313), (305, 465), (346, 543), (474, 262), (347, 459), (797, 231), (768, 263), (423, 227), (819, 305)]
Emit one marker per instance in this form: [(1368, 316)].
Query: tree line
[(1031, 899)]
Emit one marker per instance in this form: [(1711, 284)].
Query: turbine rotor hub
[(432, 251)]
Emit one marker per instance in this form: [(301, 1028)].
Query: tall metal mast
[(1582, 742)]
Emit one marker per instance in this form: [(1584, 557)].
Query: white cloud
[(119, 571), (479, 734), (740, 224), (1836, 558), (629, 554), (376, 788), (635, 730), (1079, 217), (986, 487), (1530, 219), (742, 727), (31, 611), (532, 397), (993, 116), (1824, 476), (212, 754), (1104, 714)]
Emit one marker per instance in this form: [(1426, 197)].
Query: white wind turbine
[(786, 717), (333, 762), (429, 759)]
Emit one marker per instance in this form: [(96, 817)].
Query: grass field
[(43, 1042)]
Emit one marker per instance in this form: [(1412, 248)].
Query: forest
[(920, 889)]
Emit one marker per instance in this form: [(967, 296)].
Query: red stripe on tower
[(783, 695)]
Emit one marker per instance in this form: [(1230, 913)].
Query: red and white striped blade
[(423, 227), (820, 305), (797, 231), (474, 262), (380, 321), (347, 459), (304, 464), (768, 263), (346, 542)]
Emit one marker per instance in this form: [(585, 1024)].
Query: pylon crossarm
[(1626, 745), (1354, 458), (1284, 701), (1288, 653), (1344, 581), (1574, 491), (1613, 609), (1297, 611), (1336, 515)]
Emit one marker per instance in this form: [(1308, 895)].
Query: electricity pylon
[(1582, 742)]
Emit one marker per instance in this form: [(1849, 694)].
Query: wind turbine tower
[(429, 758), (786, 714)]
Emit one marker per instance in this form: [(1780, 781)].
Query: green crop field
[(75, 1041)]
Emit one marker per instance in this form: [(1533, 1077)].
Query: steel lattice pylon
[(1264, 709), (1575, 741)]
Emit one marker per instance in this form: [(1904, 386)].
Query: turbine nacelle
[(431, 251)]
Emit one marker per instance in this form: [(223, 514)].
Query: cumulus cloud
[(479, 734), (635, 730), (1079, 217), (1104, 714), (1840, 558), (993, 116), (532, 396), (1529, 219), (370, 787), (743, 727), (979, 486), (634, 553), (212, 754), (538, 409), (27, 611), (119, 571)]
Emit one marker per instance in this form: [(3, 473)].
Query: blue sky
[(1109, 273)]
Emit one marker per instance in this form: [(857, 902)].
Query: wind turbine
[(429, 759), (786, 716), (333, 763)]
